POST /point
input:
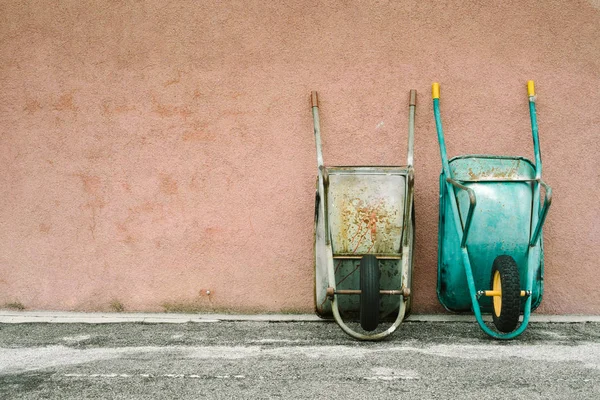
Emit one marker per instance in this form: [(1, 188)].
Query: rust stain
[(372, 224), (139, 213), (123, 109), (129, 239), (213, 230), (121, 227), (65, 103), (91, 184), (174, 80), (196, 246), (472, 175), (92, 187), (197, 94), (110, 109), (31, 106), (147, 207), (44, 228), (95, 154), (199, 133), (495, 172), (166, 110), (168, 185), (209, 237), (96, 201)]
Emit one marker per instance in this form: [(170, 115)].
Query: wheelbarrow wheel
[(506, 308), (369, 297)]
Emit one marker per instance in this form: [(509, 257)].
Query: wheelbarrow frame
[(326, 292), (449, 191)]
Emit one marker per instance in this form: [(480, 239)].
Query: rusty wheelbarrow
[(364, 237)]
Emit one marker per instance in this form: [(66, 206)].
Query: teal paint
[(489, 207)]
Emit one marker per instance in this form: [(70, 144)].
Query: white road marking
[(79, 338), (267, 340), (176, 376), (553, 335), (15, 360)]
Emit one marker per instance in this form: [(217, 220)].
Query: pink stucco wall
[(152, 151)]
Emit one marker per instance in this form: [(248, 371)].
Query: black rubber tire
[(510, 309), (369, 298)]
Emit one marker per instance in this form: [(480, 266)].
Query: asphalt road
[(259, 360)]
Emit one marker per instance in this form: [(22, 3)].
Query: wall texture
[(151, 151)]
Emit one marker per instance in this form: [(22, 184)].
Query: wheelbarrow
[(490, 249), (364, 236)]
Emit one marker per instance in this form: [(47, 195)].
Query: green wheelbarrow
[(490, 250), (364, 235)]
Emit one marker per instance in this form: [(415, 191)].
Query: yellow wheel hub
[(497, 287)]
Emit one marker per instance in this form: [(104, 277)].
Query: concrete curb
[(21, 317)]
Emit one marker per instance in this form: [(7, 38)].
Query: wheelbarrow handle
[(543, 213), (530, 88), (412, 104), (317, 127), (314, 99), (435, 90)]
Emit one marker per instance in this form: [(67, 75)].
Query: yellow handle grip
[(530, 88), (435, 90)]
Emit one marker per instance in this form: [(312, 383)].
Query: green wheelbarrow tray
[(364, 235), (500, 225), (490, 249)]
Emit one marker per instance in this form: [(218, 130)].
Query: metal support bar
[(324, 175), (410, 183), (496, 293), (472, 204), (404, 292), (543, 213), (358, 257), (494, 180)]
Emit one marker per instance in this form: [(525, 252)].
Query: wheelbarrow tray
[(366, 211), (501, 224)]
